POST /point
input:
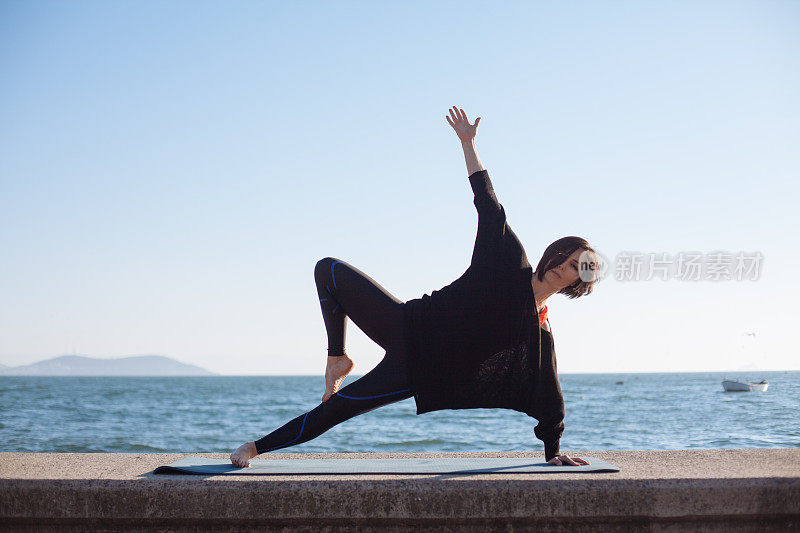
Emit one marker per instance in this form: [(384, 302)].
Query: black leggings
[(344, 291)]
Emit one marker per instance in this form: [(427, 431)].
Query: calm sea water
[(216, 414)]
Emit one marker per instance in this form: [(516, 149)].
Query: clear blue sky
[(170, 172)]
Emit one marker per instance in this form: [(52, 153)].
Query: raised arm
[(485, 199), (491, 215)]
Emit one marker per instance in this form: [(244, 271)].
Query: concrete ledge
[(710, 490)]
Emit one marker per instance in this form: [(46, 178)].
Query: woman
[(475, 343)]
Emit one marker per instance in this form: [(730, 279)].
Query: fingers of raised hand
[(459, 121), (454, 114)]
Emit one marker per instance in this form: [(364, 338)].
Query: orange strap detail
[(543, 315)]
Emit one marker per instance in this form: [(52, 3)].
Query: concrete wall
[(708, 490)]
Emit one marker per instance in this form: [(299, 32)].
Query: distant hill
[(78, 365)]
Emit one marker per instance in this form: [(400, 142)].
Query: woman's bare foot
[(337, 370), (241, 457)]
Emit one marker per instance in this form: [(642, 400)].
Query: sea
[(647, 411)]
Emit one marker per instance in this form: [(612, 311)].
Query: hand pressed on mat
[(241, 457), (561, 460)]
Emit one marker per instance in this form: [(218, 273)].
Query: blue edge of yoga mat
[(414, 465)]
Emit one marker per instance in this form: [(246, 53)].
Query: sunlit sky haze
[(171, 172)]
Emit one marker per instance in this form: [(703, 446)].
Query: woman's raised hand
[(464, 130)]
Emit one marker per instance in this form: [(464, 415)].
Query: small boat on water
[(733, 385)]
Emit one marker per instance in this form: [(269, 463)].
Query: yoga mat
[(416, 465)]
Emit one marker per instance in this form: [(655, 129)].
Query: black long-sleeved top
[(477, 342)]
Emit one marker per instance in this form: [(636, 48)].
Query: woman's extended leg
[(345, 291), (386, 383)]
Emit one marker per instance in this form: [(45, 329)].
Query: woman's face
[(566, 273)]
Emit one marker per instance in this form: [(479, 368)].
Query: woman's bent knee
[(323, 266)]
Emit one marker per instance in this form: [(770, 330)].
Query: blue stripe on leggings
[(335, 308), (334, 279), (370, 397), (322, 299), (291, 441)]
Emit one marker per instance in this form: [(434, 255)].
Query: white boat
[(732, 385)]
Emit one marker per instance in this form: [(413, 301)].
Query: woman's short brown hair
[(557, 253)]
